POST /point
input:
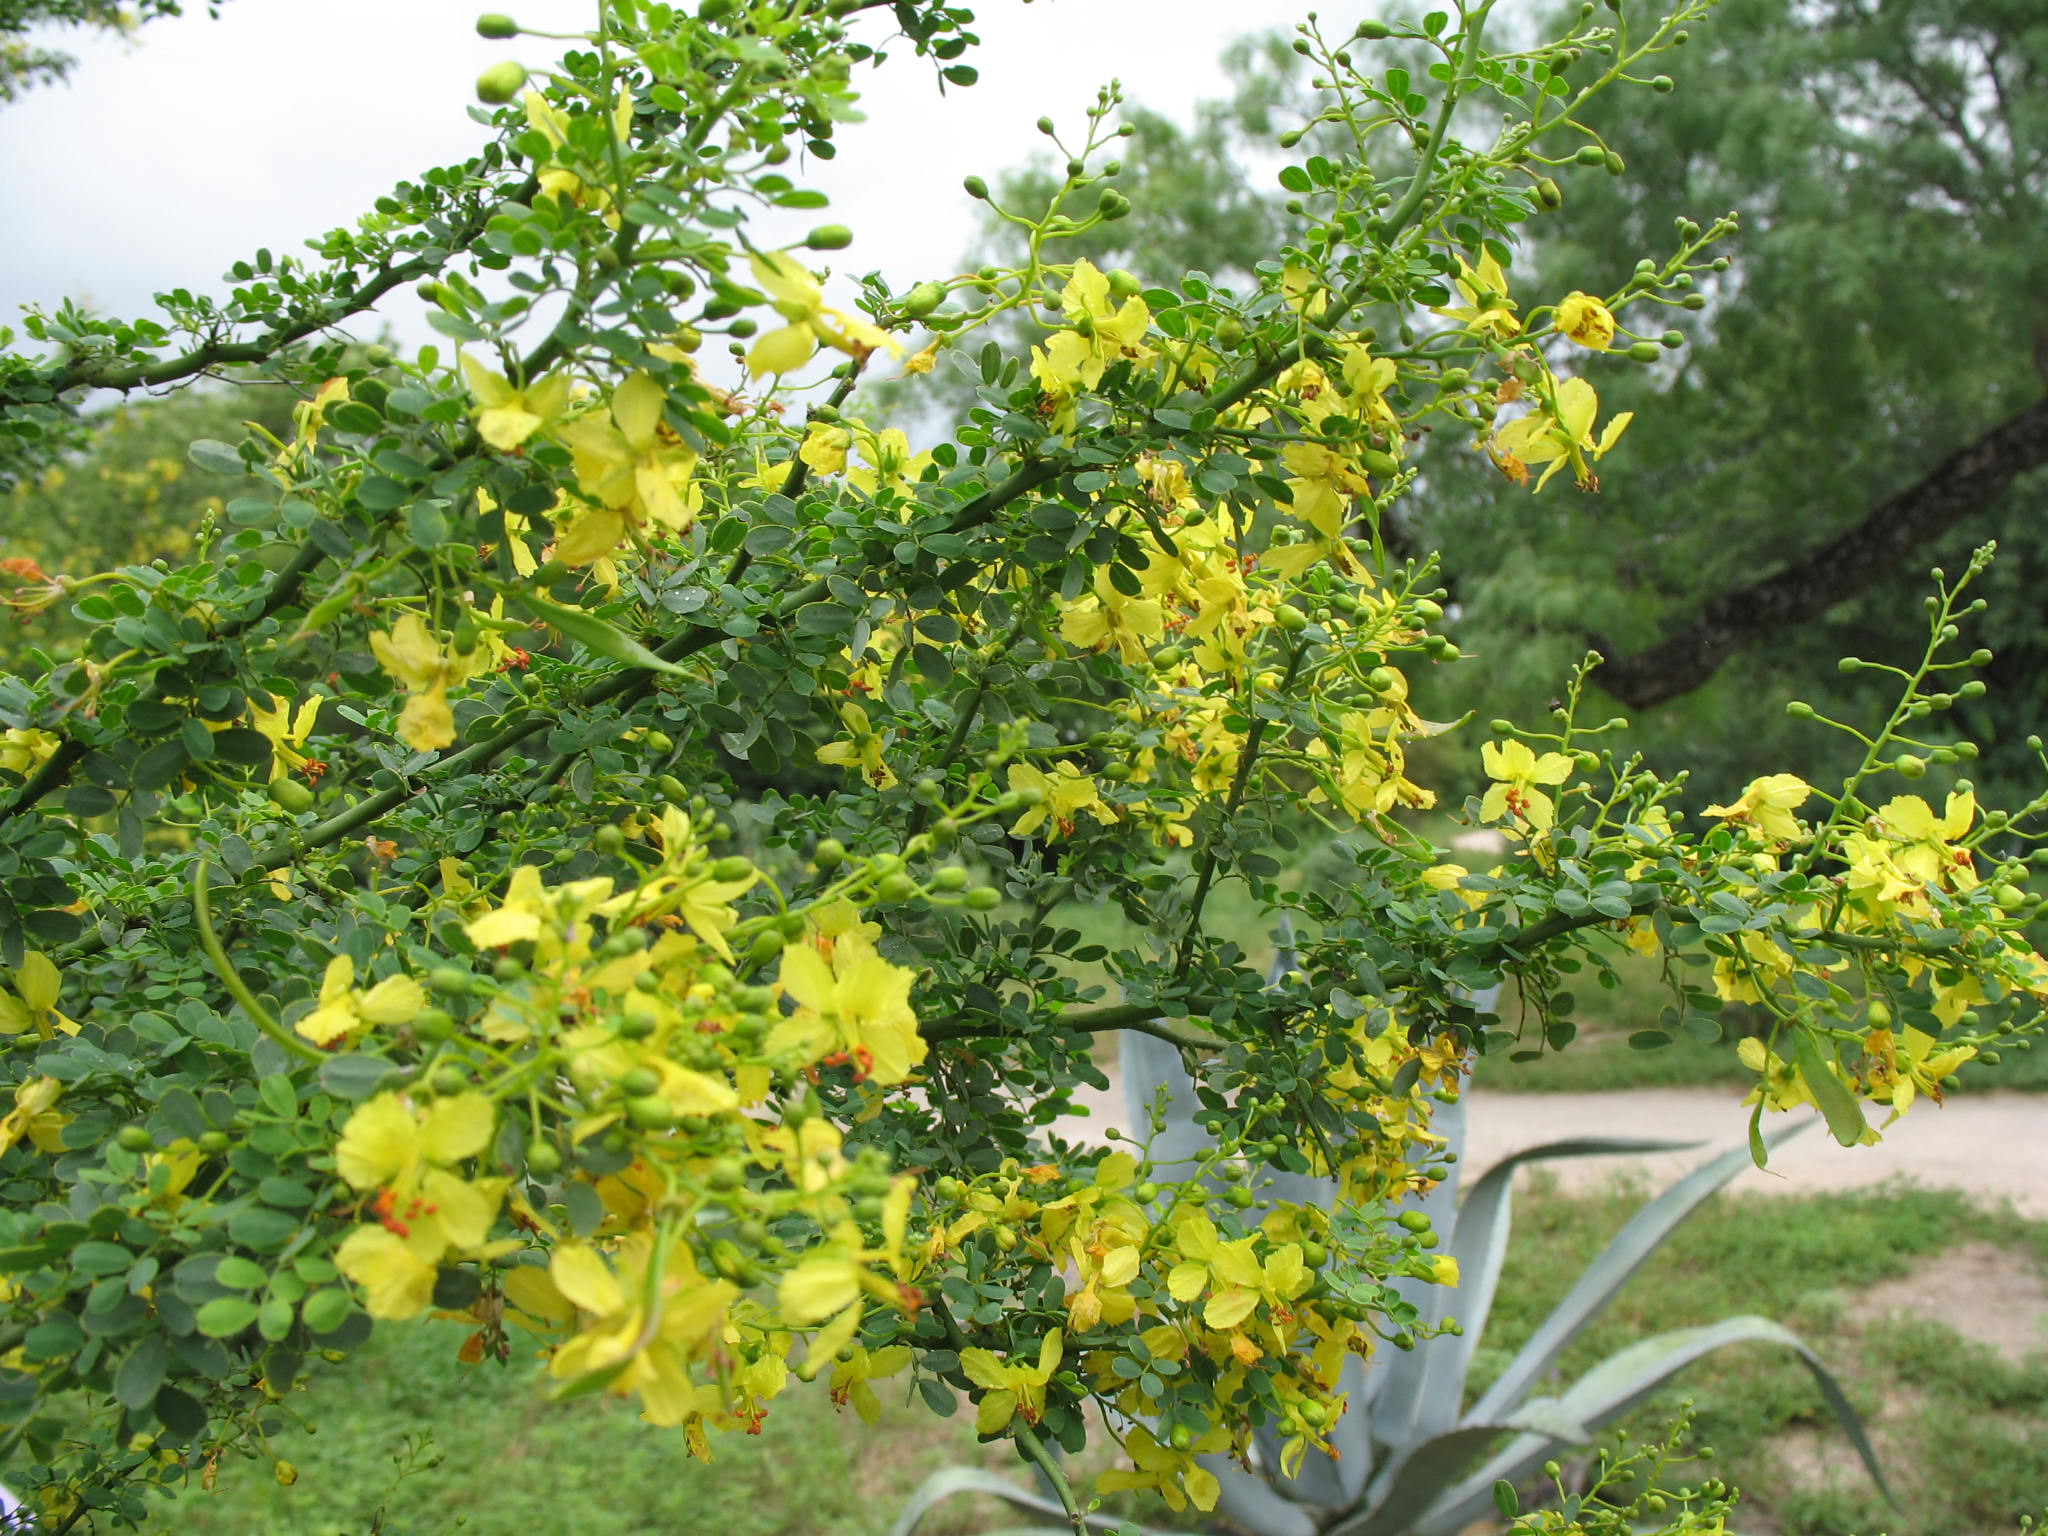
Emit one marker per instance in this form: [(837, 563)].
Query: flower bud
[(1374, 31), (1590, 154), (496, 24), (1645, 352), (984, 898), (976, 187), (1910, 766), (829, 237), (1548, 193), (500, 83), (1663, 85)]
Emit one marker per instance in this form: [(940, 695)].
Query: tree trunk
[(1966, 481)]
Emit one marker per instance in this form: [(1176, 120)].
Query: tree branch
[(1966, 482)]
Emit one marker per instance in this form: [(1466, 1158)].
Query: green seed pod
[(829, 237), (433, 1024), (650, 1112), (496, 24), (921, 301), (291, 796), (500, 83)]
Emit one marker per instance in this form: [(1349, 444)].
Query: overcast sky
[(167, 158)]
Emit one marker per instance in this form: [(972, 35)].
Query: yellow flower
[(423, 1210), (891, 466), (23, 751), (286, 731), (1063, 795), (1109, 617), (1586, 320), (507, 416), (857, 1003), (850, 1377), (389, 1139), (862, 748), (1518, 771), (1484, 289), (558, 181), (342, 1010), (35, 1116), (1562, 433), (1924, 841), (1174, 1475), (1233, 1274), (1907, 1064), (796, 297), (32, 1004), (416, 659), (1767, 804), (1012, 1390), (641, 1328), (1323, 483), (632, 465), (1101, 335)]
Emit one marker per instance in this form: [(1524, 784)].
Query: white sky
[(168, 158)]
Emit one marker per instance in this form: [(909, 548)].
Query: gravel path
[(1992, 1144)]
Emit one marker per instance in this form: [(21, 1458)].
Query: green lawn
[(1964, 1431)]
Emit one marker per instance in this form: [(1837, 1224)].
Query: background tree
[(1859, 395)]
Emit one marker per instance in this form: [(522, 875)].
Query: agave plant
[(1411, 1459)]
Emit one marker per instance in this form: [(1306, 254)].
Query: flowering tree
[(575, 852)]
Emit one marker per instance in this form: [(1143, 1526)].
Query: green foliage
[(573, 845)]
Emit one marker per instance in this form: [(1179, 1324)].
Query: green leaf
[(326, 1310), (588, 629), (240, 1274), (226, 1315), (142, 1373), (216, 458), (1843, 1110)]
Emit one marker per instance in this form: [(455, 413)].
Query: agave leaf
[(1426, 1387), (1616, 1385), (950, 1481), (1408, 1487), (1607, 1274)]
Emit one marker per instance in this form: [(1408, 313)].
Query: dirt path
[(1993, 1144)]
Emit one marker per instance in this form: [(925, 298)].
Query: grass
[(1964, 1430), (503, 1460)]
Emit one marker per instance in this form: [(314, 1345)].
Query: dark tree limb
[(1965, 482)]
